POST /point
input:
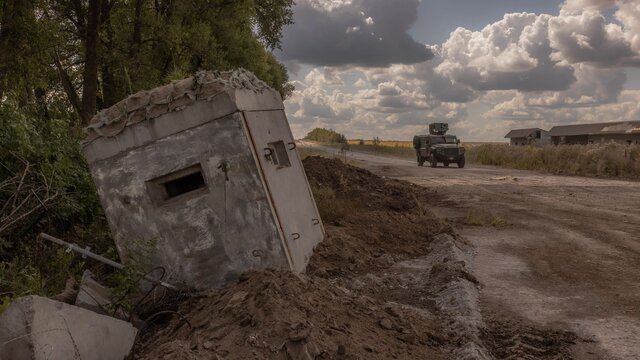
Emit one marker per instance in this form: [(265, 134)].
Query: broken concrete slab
[(38, 328), (95, 297)]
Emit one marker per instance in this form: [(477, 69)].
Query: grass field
[(395, 148), (583, 160), (401, 149), (385, 143)]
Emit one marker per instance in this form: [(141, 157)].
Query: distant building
[(623, 132), (534, 136)]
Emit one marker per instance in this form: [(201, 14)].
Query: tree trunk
[(136, 39), (91, 63), (6, 28), (67, 85)]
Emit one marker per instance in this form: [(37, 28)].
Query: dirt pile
[(372, 222), (272, 314), (275, 314), (382, 285)]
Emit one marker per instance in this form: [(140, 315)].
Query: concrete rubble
[(38, 328), (95, 297)]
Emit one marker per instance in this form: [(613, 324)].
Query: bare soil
[(373, 290), (564, 266), (276, 314)]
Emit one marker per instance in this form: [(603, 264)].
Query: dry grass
[(304, 152), (399, 149), (386, 143), (475, 217), (583, 160), (332, 209)]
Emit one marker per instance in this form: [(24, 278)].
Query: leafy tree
[(63, 60), (96, 52), (325, 136)]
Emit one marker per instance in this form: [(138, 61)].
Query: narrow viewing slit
[(184, 184)]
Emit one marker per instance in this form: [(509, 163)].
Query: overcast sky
[(388, 67)]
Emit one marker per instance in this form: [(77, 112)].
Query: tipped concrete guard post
[(37, 328), (201, 177)]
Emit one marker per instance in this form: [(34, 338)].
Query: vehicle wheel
[(446, 164), (461, 163), (420, 161), (433, 161)]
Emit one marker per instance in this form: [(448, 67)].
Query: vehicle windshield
[(444, 140)]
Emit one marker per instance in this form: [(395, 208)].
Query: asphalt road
[(565, 253)]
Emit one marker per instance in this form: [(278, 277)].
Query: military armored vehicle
[(438, 147)]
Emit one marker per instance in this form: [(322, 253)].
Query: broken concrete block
[(95, 297), (38, 328)]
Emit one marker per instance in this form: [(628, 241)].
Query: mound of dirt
[(386, 220), (276, 314), (382, 285)]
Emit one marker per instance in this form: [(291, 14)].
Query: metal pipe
[(102, 259)]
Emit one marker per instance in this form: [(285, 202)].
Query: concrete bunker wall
[(203, 237), (202, 178)]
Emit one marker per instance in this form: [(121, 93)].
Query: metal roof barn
[(626, 132)]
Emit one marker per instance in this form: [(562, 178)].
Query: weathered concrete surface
[(37, 328), (251, 213), (175, 107), (203, 240)]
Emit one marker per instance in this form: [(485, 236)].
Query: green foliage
[(43, 140), (180, 38), (125, 283), (332, 208), (141, 44), (326, 136), (587, 160), (45, 185), (22, 276)]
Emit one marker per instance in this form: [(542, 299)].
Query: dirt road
[(565, 252)]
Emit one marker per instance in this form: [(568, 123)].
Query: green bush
[(45, 186), (325, 136)]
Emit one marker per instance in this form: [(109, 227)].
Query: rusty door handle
[(292, 145), (268, 152)]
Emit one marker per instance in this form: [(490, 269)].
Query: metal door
[(286, 184)]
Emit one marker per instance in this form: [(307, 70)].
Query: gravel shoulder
[(565, 255)]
